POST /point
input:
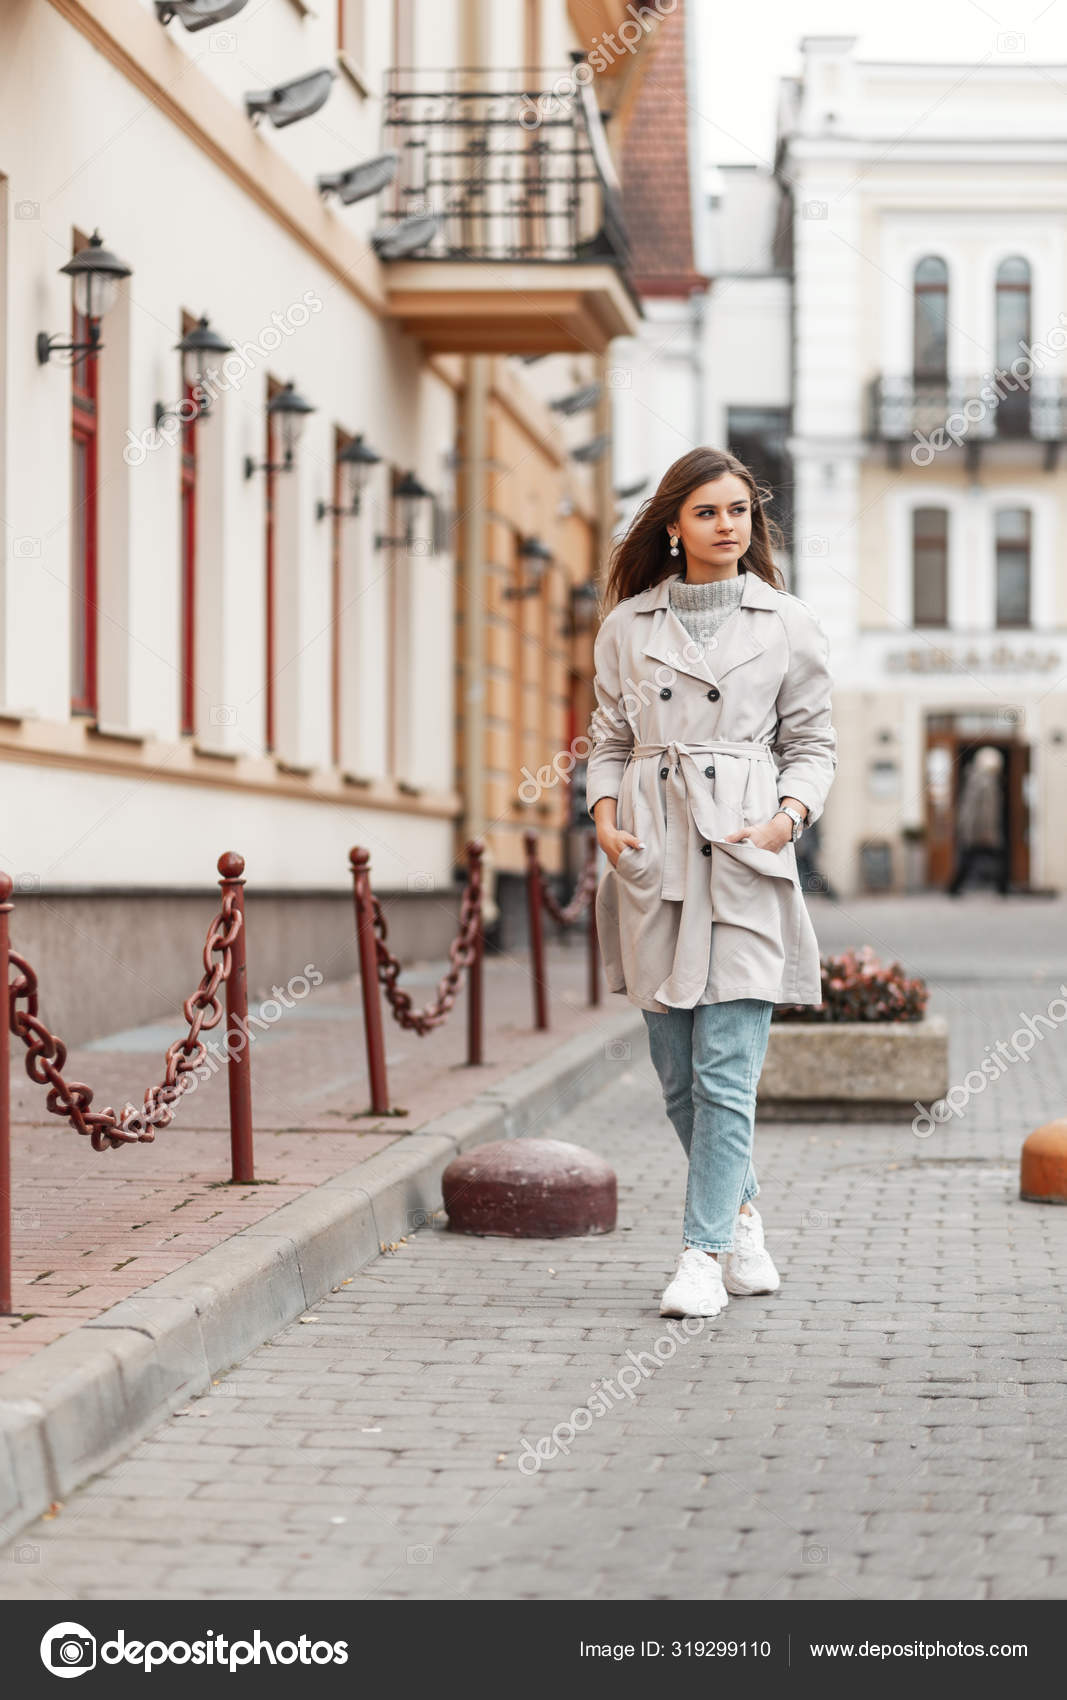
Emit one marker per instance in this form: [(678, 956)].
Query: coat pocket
[(634, 866)]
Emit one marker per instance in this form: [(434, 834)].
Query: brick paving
[(92, 1228), (889, 1425)]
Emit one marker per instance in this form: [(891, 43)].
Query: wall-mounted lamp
[(578, 400), (291, 101), (593, 450), (535, 557), (198, 14), (291, 410), (196, 349), (360, 181), (355, 461), (585, 599), (96, 275), (400, 241), (409, 493)]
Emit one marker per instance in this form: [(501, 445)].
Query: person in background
[(980, 823)]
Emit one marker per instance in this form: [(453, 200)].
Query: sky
[(747, 45)]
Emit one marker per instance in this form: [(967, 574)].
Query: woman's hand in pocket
[(773, 834), (613, 842)]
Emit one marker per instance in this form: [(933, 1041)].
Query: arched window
[(929, 566), (1013, 566), (930, 321), (1012, 327)]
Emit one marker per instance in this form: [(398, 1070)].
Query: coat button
[(714, 694), (666, 691), (663, 772), (705, 849), (709, 773)]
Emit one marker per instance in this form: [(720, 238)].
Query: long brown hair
[(641, 557)]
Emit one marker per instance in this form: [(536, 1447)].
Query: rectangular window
[(187, 566), (340, 441), (1013, 566), (515, 611), (390, 668), (273, 386), (83, 590), (758, 436), (929, 567)]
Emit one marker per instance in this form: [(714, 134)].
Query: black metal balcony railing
[(996, 407), (516, 164)]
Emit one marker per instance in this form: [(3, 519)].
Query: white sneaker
[(697, 1288), (749, 1267)]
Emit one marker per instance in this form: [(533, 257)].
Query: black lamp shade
[(96, 274), (198, 14), (291, 410), (197, 348), (535, 554), (356, 460)]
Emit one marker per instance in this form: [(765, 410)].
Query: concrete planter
[(849, 1070)]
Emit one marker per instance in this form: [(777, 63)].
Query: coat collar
[(738, 639)]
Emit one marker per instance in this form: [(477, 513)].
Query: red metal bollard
[(232, 866), (475, 988), (537, 933), (591, 935), (359, 860), (6, 887)]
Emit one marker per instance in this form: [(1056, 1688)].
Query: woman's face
[(714, 524)]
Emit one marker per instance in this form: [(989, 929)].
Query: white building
[(910, 245), (196, 653), (930, 252)]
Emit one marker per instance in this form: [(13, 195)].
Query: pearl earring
[(674, 545)]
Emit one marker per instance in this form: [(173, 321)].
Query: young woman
[(712, 749)]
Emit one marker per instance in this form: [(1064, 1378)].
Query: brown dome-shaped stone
[(530, 1189)]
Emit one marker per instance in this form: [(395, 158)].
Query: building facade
[(929, 260), (259, 595), (884, 345)]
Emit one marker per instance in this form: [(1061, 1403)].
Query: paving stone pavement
[(891, 1424)]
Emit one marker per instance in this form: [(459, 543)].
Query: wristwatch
[(797, 820)]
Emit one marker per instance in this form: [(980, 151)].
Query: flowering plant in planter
[(857, 987)]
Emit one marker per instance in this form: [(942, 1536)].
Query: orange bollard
[(1043, 1165)]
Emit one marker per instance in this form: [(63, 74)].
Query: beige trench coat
[(696, 742)]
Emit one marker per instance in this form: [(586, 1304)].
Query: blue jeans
[(709, 1060)]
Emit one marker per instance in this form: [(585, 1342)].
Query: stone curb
[(81, 1403)]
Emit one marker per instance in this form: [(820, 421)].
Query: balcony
[(995, 412), (515, 243)]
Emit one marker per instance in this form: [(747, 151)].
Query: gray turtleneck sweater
[(702, 608)]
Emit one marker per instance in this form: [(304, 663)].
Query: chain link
[(584, 891), (579, 903), (46, 1054), (461, 954)]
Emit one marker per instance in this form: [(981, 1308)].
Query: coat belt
[(725, 746), (682, 759)]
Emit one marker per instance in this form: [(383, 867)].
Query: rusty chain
[(46, 1054), (583, 893), (461, 954)]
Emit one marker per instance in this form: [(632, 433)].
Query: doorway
[(952, 742)]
